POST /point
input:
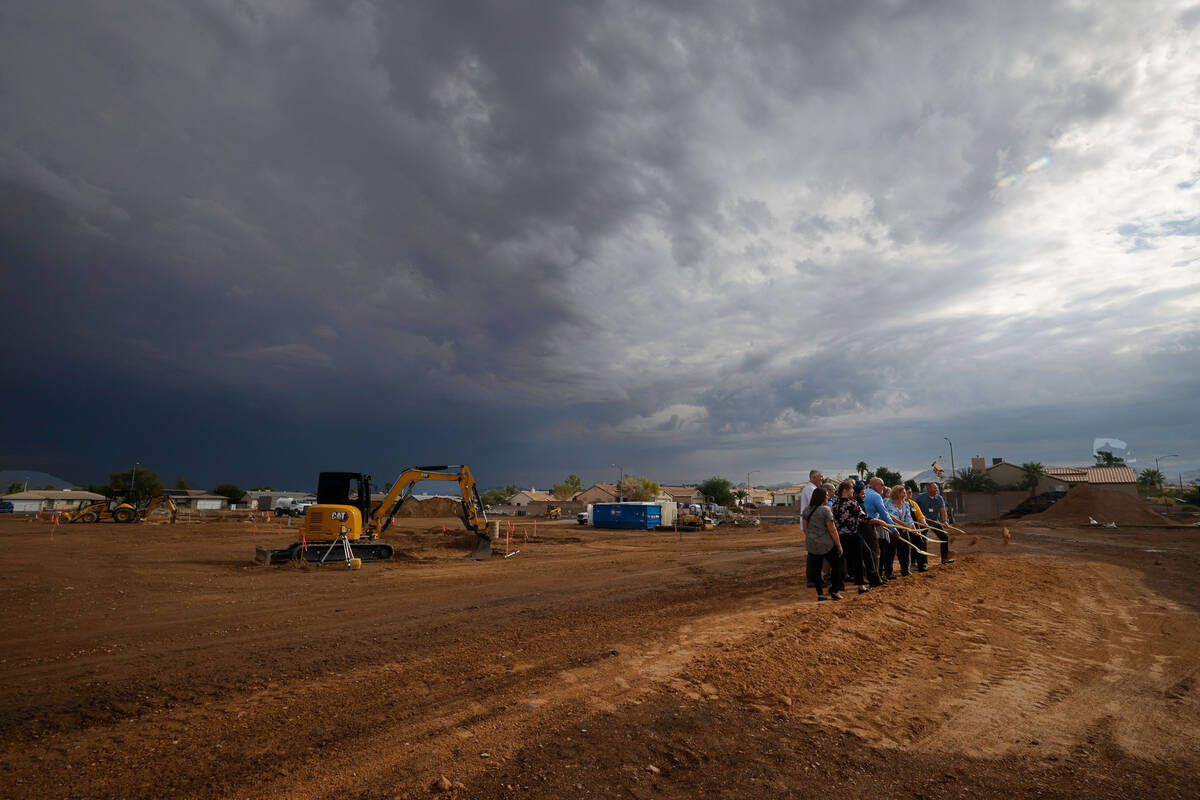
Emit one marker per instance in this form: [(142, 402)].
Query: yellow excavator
[(124, 511), (344, 519), (554, 512)]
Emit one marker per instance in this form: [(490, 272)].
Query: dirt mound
[(1084, 503), (432, 507)]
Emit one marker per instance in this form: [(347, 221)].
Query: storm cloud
[(253, 240)]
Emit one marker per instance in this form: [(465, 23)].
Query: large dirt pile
[(1102, 505), (432, 507)]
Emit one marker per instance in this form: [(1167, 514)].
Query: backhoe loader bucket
[(483, 548)]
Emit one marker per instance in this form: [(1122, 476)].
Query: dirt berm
[(1085, 503), (432, 507)]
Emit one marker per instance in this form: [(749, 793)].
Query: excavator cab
[(345, 489)]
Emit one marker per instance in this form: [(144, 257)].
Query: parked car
[(6, 507)]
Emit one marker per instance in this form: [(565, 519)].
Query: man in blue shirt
[(873, 504), (933, 506)]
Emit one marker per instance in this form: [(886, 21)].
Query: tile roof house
[(789, 496), (683, 494), (1122, 478), (527, 496), (597, 493)]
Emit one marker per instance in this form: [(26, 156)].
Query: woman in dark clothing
[(823, 543), (848, 515)]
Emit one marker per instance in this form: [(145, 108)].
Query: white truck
[(291, 507)]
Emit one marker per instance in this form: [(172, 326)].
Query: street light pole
[(1156, 458), (749, 494), (953, 472), (620, 479)]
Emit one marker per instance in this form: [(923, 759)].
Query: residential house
[(597, 493), (526, 496), (788, 496), (1122, 479), (34, 500), (198, 500), (686, 495)]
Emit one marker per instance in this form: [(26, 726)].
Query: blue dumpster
[(633, 516)]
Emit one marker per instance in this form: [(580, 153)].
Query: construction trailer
[(645, 516)]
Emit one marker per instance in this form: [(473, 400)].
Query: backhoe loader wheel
[(90, 516), (124, 514)]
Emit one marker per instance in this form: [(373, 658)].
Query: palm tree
[(861, 468), (1151, 478), (970, 479), (1034, 472)]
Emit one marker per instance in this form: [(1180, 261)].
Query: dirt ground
[(160, 661)]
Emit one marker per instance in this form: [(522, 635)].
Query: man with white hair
[(815, 479)]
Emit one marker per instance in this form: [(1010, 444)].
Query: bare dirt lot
[(160, 661)]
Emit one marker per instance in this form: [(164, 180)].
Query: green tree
[(912, 484), (887, 476), (135, 484), (270, 488), (1151, 479), (182, 484), (1033, 472), (741, 495), (862, 468), (498, 496), (639, 489), (1104, 458), (572, 486), (231, 491), (15, 487), (970, 479), (717, 490)]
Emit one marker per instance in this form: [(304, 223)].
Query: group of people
[(860, 530)]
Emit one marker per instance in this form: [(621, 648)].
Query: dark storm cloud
[(697, 235)]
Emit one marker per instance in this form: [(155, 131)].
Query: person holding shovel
[(901, 515), (874, 505), (933, 505), (848, 516), (920, 560)]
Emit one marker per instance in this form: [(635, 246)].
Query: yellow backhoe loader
[(124, 511), (344, 524), (554, 512)]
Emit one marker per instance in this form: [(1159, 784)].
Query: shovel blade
[(483, 549)]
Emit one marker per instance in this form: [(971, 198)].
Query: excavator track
[(315, 551)]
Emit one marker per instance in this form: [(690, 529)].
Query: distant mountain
[(35, 479)]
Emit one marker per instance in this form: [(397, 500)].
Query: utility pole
[(620, 479), (1173, 455), (749, 493)]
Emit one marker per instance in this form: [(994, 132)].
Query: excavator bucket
[(483, 548)]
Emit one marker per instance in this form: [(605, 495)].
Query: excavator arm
[(474, 517), (160, 500)]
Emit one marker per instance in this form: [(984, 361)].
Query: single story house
[(526, 496), (789, 496), (597, 493), (35, 500), (198, 500), (686, 495), (1122, 479)]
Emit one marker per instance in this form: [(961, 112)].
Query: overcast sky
[(250, 241)]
